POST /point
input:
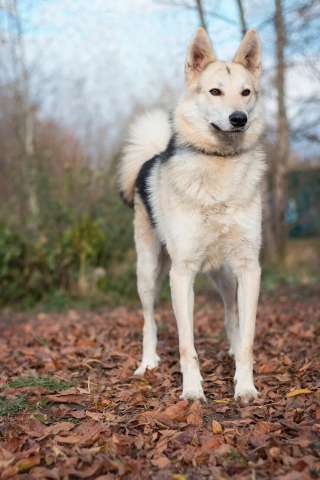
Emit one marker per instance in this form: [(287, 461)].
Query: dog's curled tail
[(148, 136)]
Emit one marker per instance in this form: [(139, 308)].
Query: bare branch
[(243, 22), (201, 14)]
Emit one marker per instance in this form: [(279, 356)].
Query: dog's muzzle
[(238, 119)]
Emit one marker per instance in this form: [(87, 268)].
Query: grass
[(13, 406), (272, 278), (52, 384)]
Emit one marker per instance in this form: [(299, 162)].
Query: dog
[(195, 180)]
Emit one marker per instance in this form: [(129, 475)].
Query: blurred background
[(73, 73)]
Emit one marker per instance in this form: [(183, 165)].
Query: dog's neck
[(216, 150)]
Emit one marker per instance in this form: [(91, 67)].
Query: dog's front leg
[(181, 282), (248, 292)]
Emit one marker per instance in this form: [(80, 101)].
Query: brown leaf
[(97, 416), (161, 462), (60, 427), (86, 437), (216, 427), (195, 414), (41, 473), (76, 399), (26, 464), (177, 412)]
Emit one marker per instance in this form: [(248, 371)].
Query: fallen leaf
[(216, 427), (177, 412), (76, 399), (298, 391), (195, 414), (25, 464), (161, 462)]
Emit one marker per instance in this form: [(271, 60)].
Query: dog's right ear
[(200, 54)]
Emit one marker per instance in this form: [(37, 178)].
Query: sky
[(95, 62)]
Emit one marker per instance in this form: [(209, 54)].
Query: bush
[(91, 254)]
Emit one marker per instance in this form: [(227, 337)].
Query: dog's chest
[(218, 236), (216, 183)]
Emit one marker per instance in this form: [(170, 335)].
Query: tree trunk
[(280, 161), (24, 109)]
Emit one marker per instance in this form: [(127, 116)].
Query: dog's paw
[(246, 394), (147, 364), (193, 394), (192, 383)]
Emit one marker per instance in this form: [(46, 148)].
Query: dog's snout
[(238, 119)]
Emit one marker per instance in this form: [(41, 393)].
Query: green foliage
[(52, 384), (84, 257), (273, 277)]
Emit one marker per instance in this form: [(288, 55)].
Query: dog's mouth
[(228, 132)]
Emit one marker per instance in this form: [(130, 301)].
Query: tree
[(280, 160), (24, 107)]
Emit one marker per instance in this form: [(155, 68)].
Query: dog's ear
[(249, 53), (200, 53)]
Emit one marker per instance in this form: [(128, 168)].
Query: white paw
[(193, 394), (147, 364), (246, 393), (192, 384)]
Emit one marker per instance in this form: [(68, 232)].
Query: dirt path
[(71, 407)]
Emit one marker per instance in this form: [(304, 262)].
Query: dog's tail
[(148, 136)]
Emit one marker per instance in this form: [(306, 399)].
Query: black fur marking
[(169, 151), (143, 187), (142, 182)]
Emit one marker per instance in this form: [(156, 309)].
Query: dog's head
[(219, 106)]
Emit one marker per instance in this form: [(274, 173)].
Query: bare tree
[(280, 160), (25, 110)]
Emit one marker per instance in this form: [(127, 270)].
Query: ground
[(71, 408)]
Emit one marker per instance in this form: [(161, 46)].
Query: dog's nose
[(238, 119)]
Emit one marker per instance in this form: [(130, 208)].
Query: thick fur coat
[(195, 180)]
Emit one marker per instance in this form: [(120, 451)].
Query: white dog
[(195, 181)]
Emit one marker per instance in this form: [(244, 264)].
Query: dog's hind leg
[(248, 292), (148, 249), (226, 284)]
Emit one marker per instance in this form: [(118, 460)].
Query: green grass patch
[(235, 457), (50, 383), (12, 406), (273, 278)]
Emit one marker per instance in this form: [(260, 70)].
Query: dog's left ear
[(200, 54), (249, 53)]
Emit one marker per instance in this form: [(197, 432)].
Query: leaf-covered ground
[(71, 408)]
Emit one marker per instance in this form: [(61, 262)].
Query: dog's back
[(148, 136)]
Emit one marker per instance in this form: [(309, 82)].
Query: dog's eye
[(215, 91), (245, 92)]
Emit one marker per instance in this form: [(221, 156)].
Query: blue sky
[(95, 61)]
